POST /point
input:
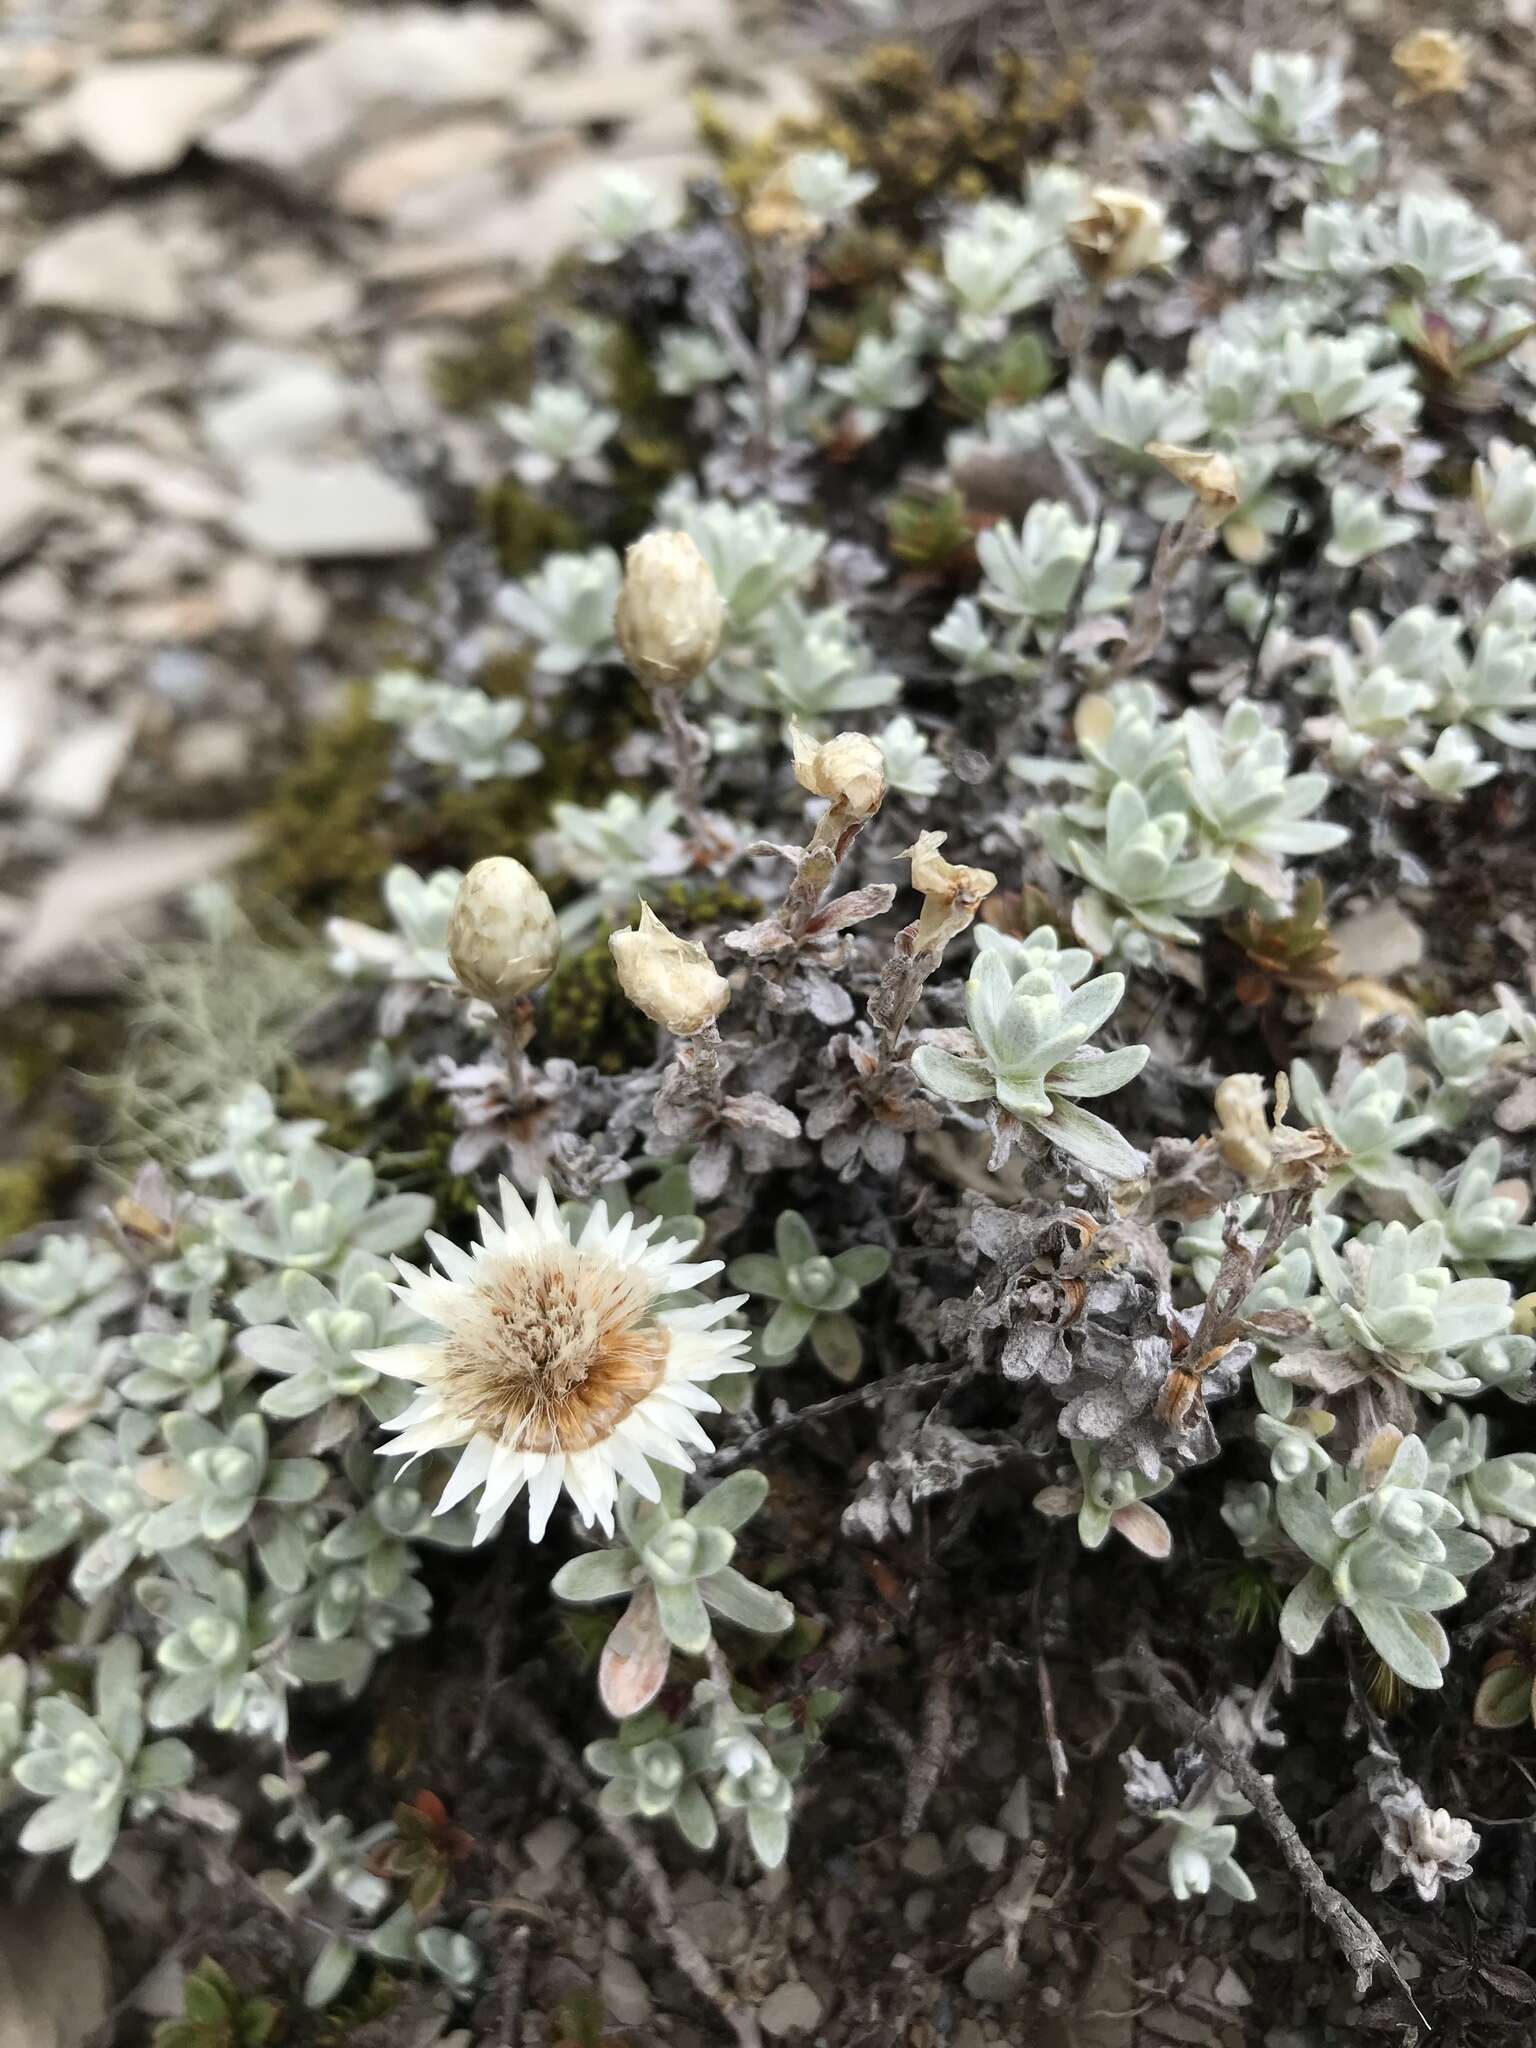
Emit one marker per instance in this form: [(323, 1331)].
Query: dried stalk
[(1178, 547), (1358, 1942), (687, 1954), (916, 1381)]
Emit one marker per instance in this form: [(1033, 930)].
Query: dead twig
[(1359, 1943), (1179, 546), (637, 1852), (1271, 599), (512, 1978), (915, 1381), (1056, 1749), (1084, 577), (1519, 1600), (932, 1746)]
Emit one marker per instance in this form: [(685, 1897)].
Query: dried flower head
[(849, 770), (671, 979), (1243, 1115), (1431, 60), (560, 1364), (1117, 234), (670, 615), (951, 894), (1205, 471), (503, 936)]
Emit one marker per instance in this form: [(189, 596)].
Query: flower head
[(672, 980), (503, 937), (1117, 234), (849, 770), (670, 615), (951, 894), (1431, 60), (560, 1364)]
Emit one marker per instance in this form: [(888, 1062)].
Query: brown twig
[(1358, 1942), (1056, 1749), (686, 1953)]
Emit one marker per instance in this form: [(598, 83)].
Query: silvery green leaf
[(329, 1972), (737, 1600), (595, 1575), (1307, 1607)]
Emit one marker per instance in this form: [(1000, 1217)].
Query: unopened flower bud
[(849, 770), (670, 616), (1117, 234), (951, 895), (671, 979), (503, 937), (1205, 471), (1431, 60)]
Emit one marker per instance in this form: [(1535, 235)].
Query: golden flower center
[(551, 1354)]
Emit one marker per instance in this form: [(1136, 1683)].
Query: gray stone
[(75, 778), (107, 263), (374, 78), (718, 1925), (548, 1845), (1016, 1816), (317, 511), (623, 1990), (987, 1846), (791, 2009), (923, 1856), (27, 501), (1379, 942), (293, 409), (143, 116), (991, 1978)]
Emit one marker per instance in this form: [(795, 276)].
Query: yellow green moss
[(926, 141), (337, 821), (585, 1016)]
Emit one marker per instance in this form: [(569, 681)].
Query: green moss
[(338, 821), (585, 1016), (524, 527)]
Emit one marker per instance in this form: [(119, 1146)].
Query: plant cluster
[(949, 807)]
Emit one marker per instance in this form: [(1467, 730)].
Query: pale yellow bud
[(1431, 60), (1205, 471), (503, 937), (776, 214), (1244, 1141), (1117, 233), (670, 616), (848, 769), (670, 979), (951, 894)]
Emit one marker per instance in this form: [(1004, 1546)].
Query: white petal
[(631, 1463), (544, 1482), (701, 1315), (514, 1214), (456, 1263), (546, 1217), (403, 1361), (492, 1237), (504, 1482), (469, 1473)]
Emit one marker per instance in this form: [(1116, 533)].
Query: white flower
[(559, 1364)]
